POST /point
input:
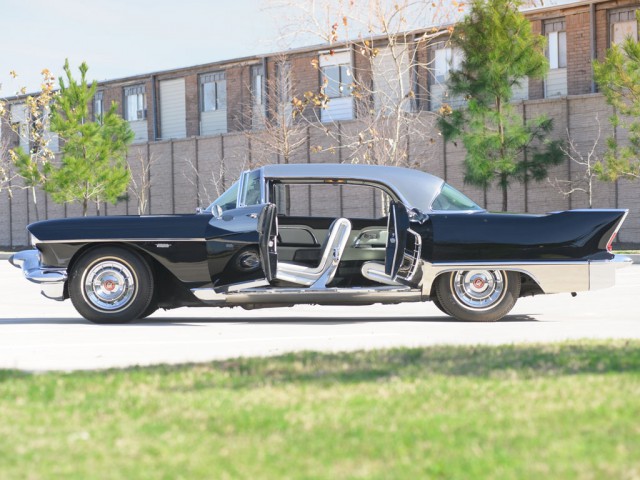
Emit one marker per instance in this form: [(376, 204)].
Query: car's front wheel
[(111, 285), (478, 295)]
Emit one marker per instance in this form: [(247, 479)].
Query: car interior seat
[(331, 250)]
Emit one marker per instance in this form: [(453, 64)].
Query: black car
[(431, 244)]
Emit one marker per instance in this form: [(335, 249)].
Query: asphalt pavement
[(37, 334)]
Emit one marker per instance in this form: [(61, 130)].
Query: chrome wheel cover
[(109, 285), (478, 289)]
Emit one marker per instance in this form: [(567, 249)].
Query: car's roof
[(414, 188)]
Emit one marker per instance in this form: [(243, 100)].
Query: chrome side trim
[(552, 277), (52, 279), (149, 240)]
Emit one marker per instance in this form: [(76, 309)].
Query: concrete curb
[(5, 255), (635, 258)]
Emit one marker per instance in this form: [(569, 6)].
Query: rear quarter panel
[(568, 235)]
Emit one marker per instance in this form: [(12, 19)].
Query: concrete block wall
[(176, 188)]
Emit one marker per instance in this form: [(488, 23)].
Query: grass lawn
[(569, 410)]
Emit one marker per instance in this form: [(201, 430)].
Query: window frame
[(555, 31), (621, 16), (98, 99), (141, 103), (218, 80), (257, 85), (452, 61), (343, 89)]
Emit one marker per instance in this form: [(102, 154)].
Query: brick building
[(201, 119)]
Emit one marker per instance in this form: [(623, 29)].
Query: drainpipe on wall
[(592, 26)]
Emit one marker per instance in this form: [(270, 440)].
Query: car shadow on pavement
[(271, 320), (329, 320)]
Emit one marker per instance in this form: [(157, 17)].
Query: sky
[(120, 38)]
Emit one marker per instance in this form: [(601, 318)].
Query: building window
[(623, 24), (555, 31), (337, 80), (135, 103), (213, 92), (257, 84), (337, 83), (98, 107), (446, 60)]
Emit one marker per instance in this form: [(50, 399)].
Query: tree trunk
[(84, 207), (503, 184)]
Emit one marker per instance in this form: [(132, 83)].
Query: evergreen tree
[(94, 165), (499, 51), (619, 80)]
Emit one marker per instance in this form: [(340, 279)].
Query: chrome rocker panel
[(52, 279), (328, 296)]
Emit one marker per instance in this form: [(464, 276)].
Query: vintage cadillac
[(434, 244)]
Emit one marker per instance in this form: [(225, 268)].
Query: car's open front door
[(268, 234)]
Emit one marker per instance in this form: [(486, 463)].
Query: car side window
[(252, 188)]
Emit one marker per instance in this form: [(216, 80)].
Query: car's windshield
[(227, 200), (450, 199)]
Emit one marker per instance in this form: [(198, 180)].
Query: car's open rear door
[(398, 226), (268, 232), (403, 246)]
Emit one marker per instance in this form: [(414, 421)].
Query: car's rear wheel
[(111, 285), (478, 295)]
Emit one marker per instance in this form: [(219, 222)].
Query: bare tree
[(277, 131), (6, 168), (588, 163), (140, 183), (209, 185), (383, 78), (29, 164)]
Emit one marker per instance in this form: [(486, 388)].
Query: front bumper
[(52, 279)]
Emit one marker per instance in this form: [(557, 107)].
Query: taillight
[(615, 232), (610, 244)]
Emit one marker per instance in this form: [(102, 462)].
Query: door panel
[(398, 226), (268, 234)]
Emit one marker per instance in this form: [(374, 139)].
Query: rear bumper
[(602, 274), (52, 279)]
